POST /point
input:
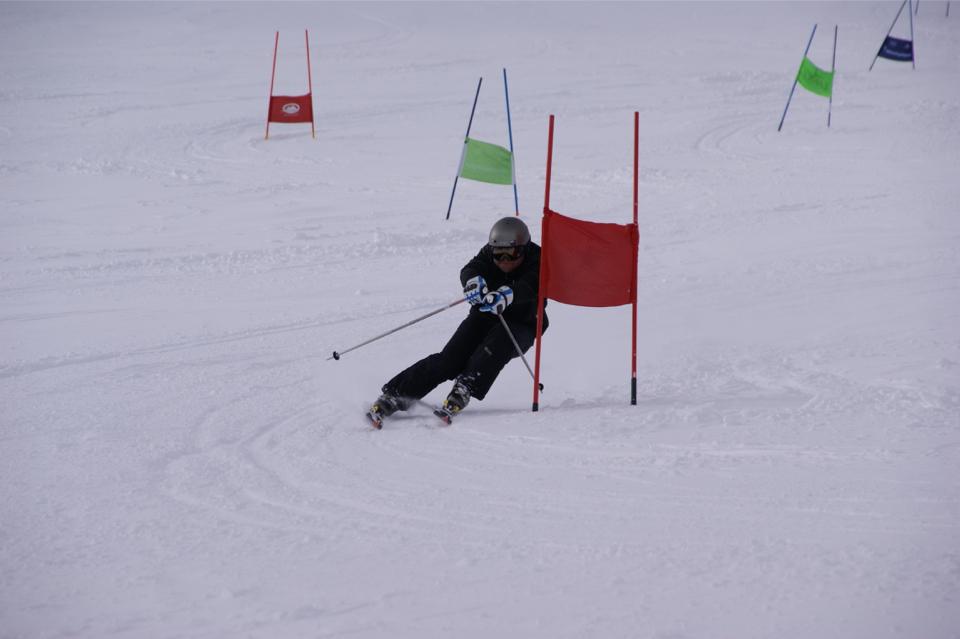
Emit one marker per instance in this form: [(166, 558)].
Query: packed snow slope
[(180, 458)]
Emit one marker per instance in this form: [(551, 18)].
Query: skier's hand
[(497, 301), (475, 290)]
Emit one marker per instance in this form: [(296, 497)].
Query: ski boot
[(455, 402), (385, 406)]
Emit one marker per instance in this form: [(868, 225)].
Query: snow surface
[(180, 458)]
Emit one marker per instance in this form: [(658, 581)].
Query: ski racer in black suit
[(502, 279)]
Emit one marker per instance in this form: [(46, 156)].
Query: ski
[(445, 416), (375, 420)]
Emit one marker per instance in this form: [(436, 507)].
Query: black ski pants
[(475, 355)]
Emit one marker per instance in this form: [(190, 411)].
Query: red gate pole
[(544, 264), (636, 175), (306, 37), (273, 74)]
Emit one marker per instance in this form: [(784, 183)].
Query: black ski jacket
[(524, 280)]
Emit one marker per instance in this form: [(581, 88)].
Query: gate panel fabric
[(485, 162), (896, 49), (814, 79), (291, 108), (588, 263)]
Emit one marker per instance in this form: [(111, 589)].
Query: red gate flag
[(588, 263), (291, 108)]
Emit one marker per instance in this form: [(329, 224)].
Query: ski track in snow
[(181, 457)]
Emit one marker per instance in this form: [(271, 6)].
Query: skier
[(502, 279)]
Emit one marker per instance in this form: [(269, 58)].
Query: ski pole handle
[(338, 354)]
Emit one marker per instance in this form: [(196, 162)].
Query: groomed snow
[(180, 458)]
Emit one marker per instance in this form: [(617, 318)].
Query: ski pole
[(513, 339), (337, 354)]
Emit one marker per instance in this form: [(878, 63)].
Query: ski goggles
[(506, 253)]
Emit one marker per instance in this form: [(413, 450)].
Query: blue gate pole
[(833, 69), (465, 138), (805, 52), (913, 43), (513, 157), (892, 25)]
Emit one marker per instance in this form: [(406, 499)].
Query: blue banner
[(896, 49)]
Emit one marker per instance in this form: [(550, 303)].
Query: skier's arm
[(474, 267)]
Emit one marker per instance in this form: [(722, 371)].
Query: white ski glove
[(497, 301), (475, 290)]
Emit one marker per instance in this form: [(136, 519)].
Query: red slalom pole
[(636, 180), (636, 162), (273, 75), (544, 264), (306, 37)]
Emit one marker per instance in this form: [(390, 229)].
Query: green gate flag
[(486, 162), (814, 79)]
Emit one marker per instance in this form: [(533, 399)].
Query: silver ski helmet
[(508, 238)]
